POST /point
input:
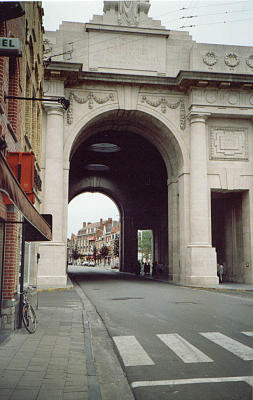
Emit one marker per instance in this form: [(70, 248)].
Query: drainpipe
[(21, 277)]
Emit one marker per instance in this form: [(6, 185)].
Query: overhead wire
[(85, 48), (158, 16)]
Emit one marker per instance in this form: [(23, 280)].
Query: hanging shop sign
[(10, 47)]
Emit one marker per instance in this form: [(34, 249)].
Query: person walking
[(220, 272)]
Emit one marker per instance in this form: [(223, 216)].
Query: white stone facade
[(197, 102)]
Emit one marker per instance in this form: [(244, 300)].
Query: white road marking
[(183, 349), (248, 333), (131, 351), (246, 379), (235, 347)]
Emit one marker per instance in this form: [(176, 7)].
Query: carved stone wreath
[(90, 98), (249, 61), (210, 58), (163, 102), (231, 59)]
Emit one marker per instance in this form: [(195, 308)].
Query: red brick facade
[(11, 70), (11, 257)]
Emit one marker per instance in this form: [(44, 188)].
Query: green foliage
[(116, 247), (95, 253), (145, 243), (75, 254), (104, 251)]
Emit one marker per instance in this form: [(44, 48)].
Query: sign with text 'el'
[(10, 47)]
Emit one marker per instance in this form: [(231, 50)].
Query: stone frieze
[(164, 102), (91, 98)]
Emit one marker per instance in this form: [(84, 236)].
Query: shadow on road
[(100, 274)]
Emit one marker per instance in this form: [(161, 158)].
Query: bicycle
[(28, 314)]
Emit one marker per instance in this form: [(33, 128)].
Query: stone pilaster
[(53, 196), (202, 257), (52, 265)]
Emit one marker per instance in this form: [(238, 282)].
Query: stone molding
[(198, 117), (222, 97), (155, 101), (53, 109), (90, 98), (228, 143)]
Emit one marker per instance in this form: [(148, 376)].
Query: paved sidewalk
[(69, 357), (225, 286), (51, 363)]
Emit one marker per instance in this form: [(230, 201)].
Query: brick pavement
[(51, 363)]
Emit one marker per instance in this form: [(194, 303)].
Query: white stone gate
[(124, 72)]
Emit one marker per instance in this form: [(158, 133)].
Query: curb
[(200, 287), (54, 289)]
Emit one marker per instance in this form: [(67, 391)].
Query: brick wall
[(11, 257)]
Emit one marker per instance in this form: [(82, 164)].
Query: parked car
[(92, 264), (85, 263)]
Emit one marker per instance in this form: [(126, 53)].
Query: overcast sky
[(221, 22)]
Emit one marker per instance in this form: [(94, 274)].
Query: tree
[(75, 254), (95, 253), (116, 247), (145, 243), (104, 251)]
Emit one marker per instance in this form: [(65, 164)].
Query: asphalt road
[(175, 342)]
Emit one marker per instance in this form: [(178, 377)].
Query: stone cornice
[(183, 81), (127, 29)]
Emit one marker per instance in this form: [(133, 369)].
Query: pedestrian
[(220, 272), (145, 268)]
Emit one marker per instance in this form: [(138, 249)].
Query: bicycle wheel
[(29, 318)]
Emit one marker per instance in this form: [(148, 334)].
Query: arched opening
[(129, 156), (93, 231)]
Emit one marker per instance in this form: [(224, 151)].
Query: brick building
[(95, 235), (21, 75)]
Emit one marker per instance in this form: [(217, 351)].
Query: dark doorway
[(229, 232)]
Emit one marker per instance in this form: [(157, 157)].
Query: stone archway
[(140, 188)]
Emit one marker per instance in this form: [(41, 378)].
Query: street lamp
[(61, 100)]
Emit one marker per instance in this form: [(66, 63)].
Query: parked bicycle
[(28, 313)]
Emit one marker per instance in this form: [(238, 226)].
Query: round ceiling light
[(104, 147), (97, 167)]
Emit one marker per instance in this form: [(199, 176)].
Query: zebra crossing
[(133, 353)]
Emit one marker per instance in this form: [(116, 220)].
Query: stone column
[(202, 257), (53, 196), (173, 234), (130, 244), (52, 265)]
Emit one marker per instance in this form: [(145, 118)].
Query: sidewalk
[(69, 357), (225, 286)]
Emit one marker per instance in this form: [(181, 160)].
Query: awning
[(40, 229)]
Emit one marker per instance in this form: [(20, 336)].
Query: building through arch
[(162, 125)]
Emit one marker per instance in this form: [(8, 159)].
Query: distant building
[(91, 238)]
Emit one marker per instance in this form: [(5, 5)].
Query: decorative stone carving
[(128, 13), (210, 58), (47, 48), (164, 103), (228, 143), (231, 59), (90, 98), (249, 61), (211, 96)]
